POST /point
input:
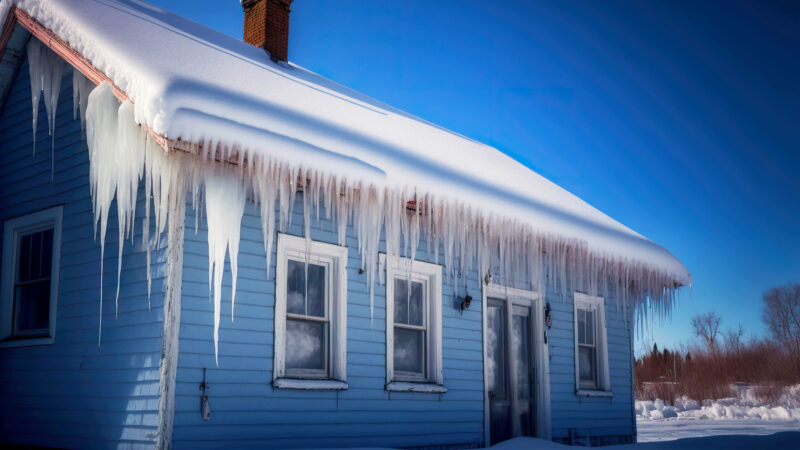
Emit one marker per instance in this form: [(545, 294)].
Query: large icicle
[(101, 137), (225, 200), (129, 159)]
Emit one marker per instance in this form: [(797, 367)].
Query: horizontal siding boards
[(589, 416), (247, 411), (73, 393)]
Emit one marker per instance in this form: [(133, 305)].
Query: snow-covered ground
[(786, 440), (741, 415)]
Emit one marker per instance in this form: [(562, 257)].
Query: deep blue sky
[(680, 119)]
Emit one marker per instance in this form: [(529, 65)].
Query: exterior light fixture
[(466, 302)]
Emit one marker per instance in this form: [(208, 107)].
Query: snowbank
[(745, 406)]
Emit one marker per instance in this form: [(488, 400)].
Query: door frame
[(541, 394)]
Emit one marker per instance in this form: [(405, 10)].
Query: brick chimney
[(266, 25)]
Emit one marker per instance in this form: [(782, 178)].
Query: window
[(413, 325), (310, 315), (31, 253), (591, 355)]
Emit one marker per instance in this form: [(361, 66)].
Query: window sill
[(26, 342), (310, 385), (427, 388), (593, 393)]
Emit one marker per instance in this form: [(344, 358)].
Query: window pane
[(522, 350), (36, 256), (32, 306), (590, 327), (494, 336), (23, 272), (408, 350), (586, 362), (47, 253), (400, 301), (296, 287), (316, 290), (306, 345), (415, 302), (581, 326)]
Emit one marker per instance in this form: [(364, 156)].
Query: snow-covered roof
[(193, 83)]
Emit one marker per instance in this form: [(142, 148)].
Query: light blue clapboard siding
[(73, 393), (247, 411), (589, 416)]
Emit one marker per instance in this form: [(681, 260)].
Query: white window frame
[(334, 257), (597, 305), (13, 229), (431, 276)]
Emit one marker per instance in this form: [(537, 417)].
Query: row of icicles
[(121, 154)]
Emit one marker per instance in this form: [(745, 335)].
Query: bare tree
[(734, 339), (706, 327), (781, 313)]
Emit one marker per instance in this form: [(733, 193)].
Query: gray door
[(510, 380)]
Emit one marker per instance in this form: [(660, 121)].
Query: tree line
[(709, 368)]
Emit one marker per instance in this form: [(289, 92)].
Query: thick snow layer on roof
[(188, 81)]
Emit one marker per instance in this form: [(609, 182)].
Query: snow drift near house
[(745, 406), (362, 160)]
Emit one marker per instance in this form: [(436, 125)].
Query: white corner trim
[(593, 393), (427, 388), (310, 385), (12, 228)]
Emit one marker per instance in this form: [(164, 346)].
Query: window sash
[(402, 375), (40, 259), (294, 372)]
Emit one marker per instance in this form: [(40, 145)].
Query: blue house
[(204, 245)]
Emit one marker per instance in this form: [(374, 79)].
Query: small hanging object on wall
[(205, 408), (488, 278), (465, 304), (548, 319)]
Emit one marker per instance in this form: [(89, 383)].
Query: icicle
[(46, 69), (81, 87), (129, 160), (101, 136), (225, 200), (35, 67)]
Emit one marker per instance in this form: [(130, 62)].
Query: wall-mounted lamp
[(466, 302), (488, 278)]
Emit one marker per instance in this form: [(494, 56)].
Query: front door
[(510, 371)]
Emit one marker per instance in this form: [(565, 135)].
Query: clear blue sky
[(680, 119)]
